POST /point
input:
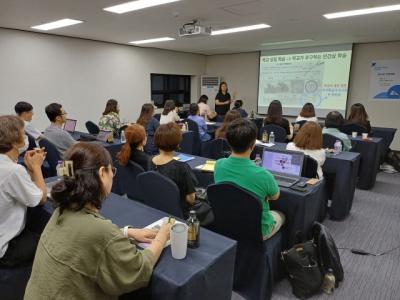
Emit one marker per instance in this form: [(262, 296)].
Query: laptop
[(286, 166), (70, 125), (103, 135)]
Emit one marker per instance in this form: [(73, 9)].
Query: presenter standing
[(223, 100)]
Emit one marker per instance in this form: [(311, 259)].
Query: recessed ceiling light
[(163, 39), (364, 11), (240, 29), (287, 42), (57, 24), (136, 5)]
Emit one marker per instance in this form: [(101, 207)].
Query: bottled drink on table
[(60, 168), (272, 137), (252, 114), (337, 147), (123, 138), (264, 137), (193, 230), (186, 126)]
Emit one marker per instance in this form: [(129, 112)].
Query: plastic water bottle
[(271, 137), (337, 147), (252, 114), (123, 138), (258, 160), (186, 126), (60, 168), (328, 285)]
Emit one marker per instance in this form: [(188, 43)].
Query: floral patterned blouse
[(110, 122)]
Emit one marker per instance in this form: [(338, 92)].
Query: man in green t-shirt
[(239, 169)]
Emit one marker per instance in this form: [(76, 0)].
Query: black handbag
[(301, 263), (203, 208)]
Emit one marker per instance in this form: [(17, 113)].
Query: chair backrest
[(125, 181), (32, 142), (52, 156), (160, 192), (351, 127), (193, 126), (301, 123), (157, 116), (310, 167), (237, 213), (279, 132), (92, 127), (329, 140), (216, 149)]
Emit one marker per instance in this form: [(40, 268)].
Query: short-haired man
[(24, 111), (239, 169), (334, 120), (55, 134)]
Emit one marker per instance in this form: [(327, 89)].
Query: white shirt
[(31, 130), (171, 117), (318, 155), (204, 109), (17, 192), (311, 119)]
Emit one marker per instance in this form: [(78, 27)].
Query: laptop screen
[(70, 125), (283, 162)]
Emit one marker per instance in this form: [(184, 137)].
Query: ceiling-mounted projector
[(194, 29)]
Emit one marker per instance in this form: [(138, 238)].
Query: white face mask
[(25, 146)]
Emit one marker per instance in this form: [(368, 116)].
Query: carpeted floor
[(374, 226)]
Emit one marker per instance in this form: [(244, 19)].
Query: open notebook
[(208, 166), (183, 158)]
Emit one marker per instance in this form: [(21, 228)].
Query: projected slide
[(295, 79)]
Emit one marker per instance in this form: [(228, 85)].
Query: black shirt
[(141, 158), (180, 173), (284, 123), (222, 109)]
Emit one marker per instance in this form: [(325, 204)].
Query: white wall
[(241, 73), (83, 74)]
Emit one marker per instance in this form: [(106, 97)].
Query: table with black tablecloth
[(300, 209), (387, 134), (205, 273), (370, 151), (340, 171)]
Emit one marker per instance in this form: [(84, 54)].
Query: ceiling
[(290, 20)]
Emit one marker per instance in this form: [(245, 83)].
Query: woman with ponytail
[(82, 255), (134, 147)]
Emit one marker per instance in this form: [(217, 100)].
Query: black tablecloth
[(340, 172), (205, 273), (300, 209), (387, 134), (370, 156)]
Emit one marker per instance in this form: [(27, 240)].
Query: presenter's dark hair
[(334, 119), (86, 186), (220, 86), (22, 107), (168, 106), (111, 106), (146, 114), (193, 109), (358, 114), (307, 111), (203, 99), (274, 114), (241, 135), (53, 110)]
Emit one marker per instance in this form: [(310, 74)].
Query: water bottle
[(60, 168), (337, 147), (186, 126), (258, 160), (272, 137), (252, 114), (328, 284), (123, 138)]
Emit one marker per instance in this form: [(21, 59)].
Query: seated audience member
[(55, 134), (201, 123), (81, 254), (134, 147), (205, 110), (20, 188), (334, 120), (237, 105), (274, 116), (147, 120), (24, 111), (307, 113), (229, 117), (309, 141), (169, 113), (110, 121), (239, 169), (167, 139), (358, 115)]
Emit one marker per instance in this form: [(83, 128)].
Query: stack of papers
[(183, 158), (264, 144), (208, 166)]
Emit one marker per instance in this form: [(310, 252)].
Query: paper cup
[(365, 136), (354, 134), (179, 235)]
